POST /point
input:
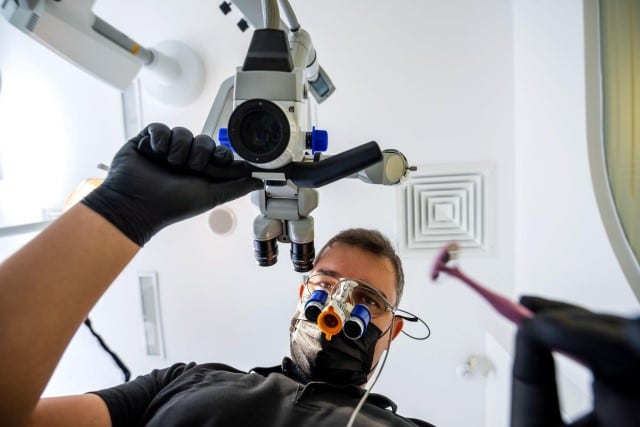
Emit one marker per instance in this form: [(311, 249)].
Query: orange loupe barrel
[(332, 318)]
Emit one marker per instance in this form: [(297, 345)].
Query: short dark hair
[(371, 241)]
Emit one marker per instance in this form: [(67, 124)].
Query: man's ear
[(398, 323)]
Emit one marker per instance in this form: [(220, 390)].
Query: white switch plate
[(151, 314)]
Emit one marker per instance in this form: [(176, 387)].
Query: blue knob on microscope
[(319, 140), (223, 138)]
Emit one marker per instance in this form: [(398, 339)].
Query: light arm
[(174, 71), (72, 31)]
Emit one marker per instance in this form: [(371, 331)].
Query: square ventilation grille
[(444, 203)]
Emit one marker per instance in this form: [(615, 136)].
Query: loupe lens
[(331, 321), (356, 325), (315, 305), (266, 252), (302, 256)]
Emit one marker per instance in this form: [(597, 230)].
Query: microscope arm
[(303, 52)]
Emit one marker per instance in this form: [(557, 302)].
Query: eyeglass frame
[(388, 306)]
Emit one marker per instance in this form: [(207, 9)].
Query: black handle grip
[(331, 169), (302, 174)]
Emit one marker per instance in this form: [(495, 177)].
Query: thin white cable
[(363, 399)]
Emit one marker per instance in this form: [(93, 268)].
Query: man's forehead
[(342, 258), (328, 272)]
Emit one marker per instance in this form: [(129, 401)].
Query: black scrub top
[(214, 394)]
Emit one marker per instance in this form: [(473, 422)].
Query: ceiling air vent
[(33, 21), (442, 204)]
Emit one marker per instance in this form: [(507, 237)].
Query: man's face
[(346, 261)]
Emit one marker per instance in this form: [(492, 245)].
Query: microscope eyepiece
[(266, 252), (302, 256)]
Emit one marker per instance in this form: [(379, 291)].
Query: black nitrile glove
[(607, 345), (140, 196)]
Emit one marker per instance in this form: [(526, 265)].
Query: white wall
[(433, 79), (561, 245)]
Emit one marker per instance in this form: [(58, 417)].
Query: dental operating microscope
[(265, 113), (271, 126)]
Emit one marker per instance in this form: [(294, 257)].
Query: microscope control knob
[(223, 138), (318, 140)]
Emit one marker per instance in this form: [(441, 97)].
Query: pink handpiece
[(509, 309)]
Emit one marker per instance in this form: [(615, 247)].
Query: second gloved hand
[(606, 344), (140, 196)]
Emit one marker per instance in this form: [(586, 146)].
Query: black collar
[(289, 369)]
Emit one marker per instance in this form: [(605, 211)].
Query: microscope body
[(271, 103), (268, 126), (271, 127)]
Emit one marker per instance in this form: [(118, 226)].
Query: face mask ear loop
[(358, 407)]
